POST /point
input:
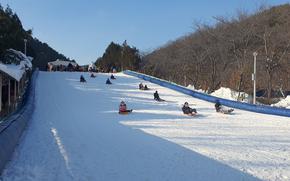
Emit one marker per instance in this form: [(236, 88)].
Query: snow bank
[(193, 88), (230, 94), (226, 93), (285, 103)]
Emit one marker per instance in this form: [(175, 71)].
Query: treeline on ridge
[(222, 55)]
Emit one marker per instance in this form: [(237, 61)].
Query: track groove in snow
[(76, 134)]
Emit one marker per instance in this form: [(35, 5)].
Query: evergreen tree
[(119, 57)]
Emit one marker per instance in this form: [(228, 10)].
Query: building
[(14, 74), (92, 68), (61, 65)]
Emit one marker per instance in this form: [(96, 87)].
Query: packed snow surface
[(77, 134)]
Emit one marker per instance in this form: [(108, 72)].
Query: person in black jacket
[(188, 110), (112, 77), (156, 97), (141, 87), (93, 75), (82, 79), (108, 81), (219, 108)]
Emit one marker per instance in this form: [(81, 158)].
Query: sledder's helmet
[(186, 103)]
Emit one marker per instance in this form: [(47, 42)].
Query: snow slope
[(77, 134)]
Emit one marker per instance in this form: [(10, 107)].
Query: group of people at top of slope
[(82, 79)]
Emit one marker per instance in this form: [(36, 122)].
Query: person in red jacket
[(123, 108)]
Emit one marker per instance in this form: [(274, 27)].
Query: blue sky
[(82, 29)]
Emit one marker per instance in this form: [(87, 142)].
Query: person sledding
[(221, 109), (141, 86), (156, 97), (93, 75), (123, 108), (145, 88), (108, 81), (82, 79), (188, 110), (113, 77)]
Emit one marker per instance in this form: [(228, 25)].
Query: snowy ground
[(77, 134)]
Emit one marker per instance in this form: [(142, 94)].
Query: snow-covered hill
[(77, 134)]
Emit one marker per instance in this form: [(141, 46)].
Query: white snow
[(15, 71), (285, 103), (25, 60), (62, 62), (192, 87), (77, 134), (230, 94)]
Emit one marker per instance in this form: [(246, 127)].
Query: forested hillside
[(222, 55), (121, 57), (12, 35)]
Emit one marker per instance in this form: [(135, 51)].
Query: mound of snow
[(230, 94), (191, 87), (283, 103)]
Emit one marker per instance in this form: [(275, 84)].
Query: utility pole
[(254, 77), (25, 41)]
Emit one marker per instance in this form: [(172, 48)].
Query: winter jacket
[(218, 107), (156, 96), (188, 110), (140, 86), (108, 81)]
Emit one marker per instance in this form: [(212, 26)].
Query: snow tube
[(234, 104)]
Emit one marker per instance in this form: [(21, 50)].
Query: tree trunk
[(240, 85)]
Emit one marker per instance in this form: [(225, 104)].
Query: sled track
[(77, 134)]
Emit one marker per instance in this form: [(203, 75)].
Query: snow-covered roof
[(62, 62), (25, 60), (15, 71)]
